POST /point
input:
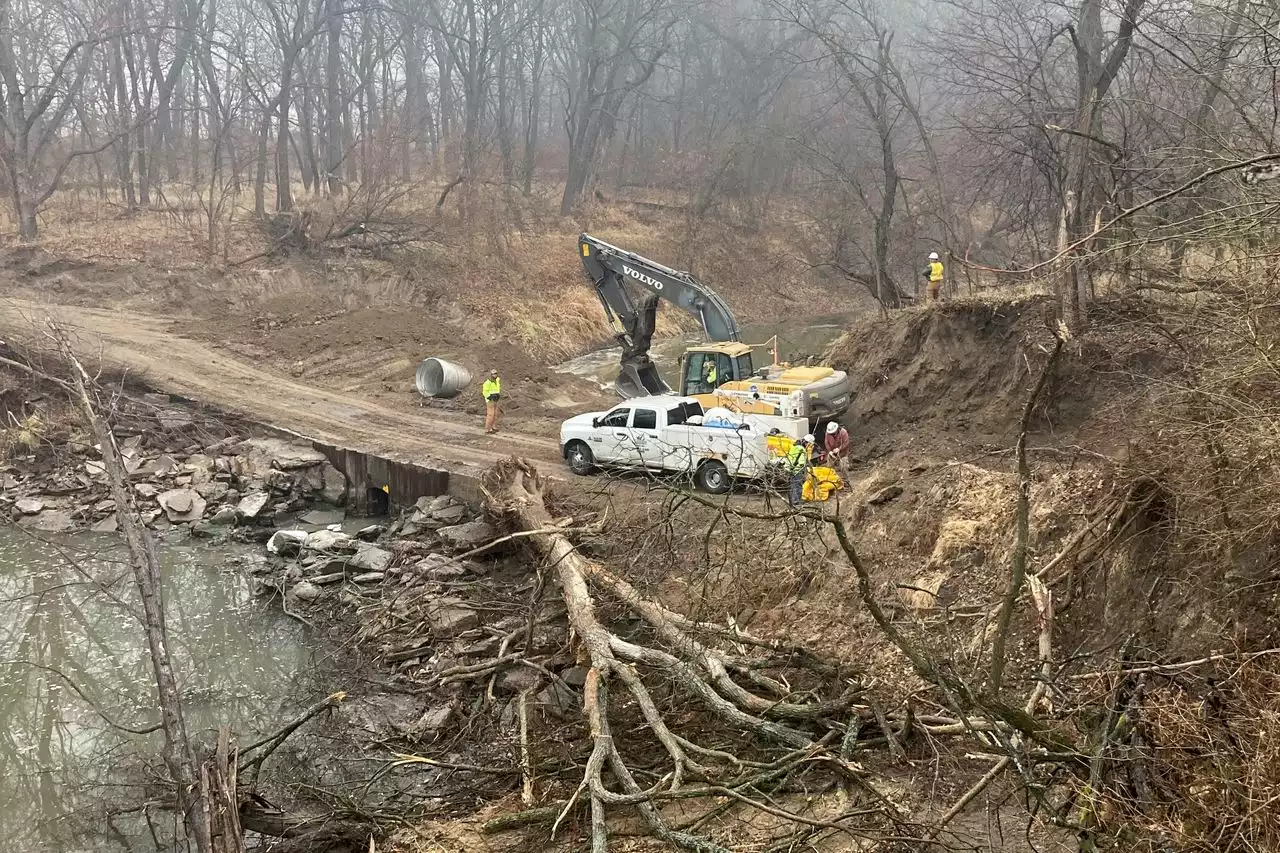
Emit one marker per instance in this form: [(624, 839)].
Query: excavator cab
[(707, 368)]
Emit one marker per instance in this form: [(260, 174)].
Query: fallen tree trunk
[(690, 664)]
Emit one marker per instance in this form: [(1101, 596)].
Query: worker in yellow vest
[(492, 392), (709, 375), (933, 274), (797, 465)]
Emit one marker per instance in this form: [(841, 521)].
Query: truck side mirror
[(595, 423)]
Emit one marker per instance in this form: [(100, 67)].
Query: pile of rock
[(426, 545), (233, 481)]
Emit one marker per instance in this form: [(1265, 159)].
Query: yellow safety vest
[(935, 271), (491, 387), (796, 458), (711, 374)]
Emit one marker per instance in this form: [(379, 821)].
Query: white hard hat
[(808, 439), (933, 256), (832, 427)]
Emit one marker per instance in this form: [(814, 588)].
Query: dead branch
[(1022, 515), (272, 742), (179, 756)]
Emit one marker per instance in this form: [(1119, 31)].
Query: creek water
[(796, 343), (63, 768)]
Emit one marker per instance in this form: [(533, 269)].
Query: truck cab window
[(745, 369), (616, 418), (645, 419)]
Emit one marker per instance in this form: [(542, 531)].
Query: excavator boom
[(610, 269)]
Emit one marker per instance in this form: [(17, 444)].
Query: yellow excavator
[(720, 373)]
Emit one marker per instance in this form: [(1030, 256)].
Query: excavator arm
[(613, 271)]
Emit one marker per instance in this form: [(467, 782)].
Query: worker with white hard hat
[(835, 446), (933, 275)]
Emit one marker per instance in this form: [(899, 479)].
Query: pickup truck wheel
[(579, 457), (713, 477)]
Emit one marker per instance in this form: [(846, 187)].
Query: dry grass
[(510, 265)]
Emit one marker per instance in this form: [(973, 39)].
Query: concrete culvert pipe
[(440, 378)]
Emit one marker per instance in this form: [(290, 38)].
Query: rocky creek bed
[(410, 615)]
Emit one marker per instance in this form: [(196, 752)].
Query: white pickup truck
[(668, 433)]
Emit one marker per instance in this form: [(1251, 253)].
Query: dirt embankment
[(952, 379), (1121, 430)]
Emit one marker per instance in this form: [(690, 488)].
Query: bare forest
[(1038, 614), (1008, 134)]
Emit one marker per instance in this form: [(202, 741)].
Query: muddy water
[(796, 343), (63, 768)]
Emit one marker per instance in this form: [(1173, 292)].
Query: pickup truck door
[(610, 439), (645, 448)]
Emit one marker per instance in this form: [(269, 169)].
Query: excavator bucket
[(640, 381), (637, 375)]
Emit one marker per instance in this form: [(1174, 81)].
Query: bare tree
[(612, 50), (45, 56)]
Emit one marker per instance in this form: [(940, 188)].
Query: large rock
[(370, 559), (252, 504), (439, 502), (305, 591), (438, 567), (162, 466), (286, 542), (450, 514), (182, 505), (559, 701), (262, 454), (467, 537), (213, 491), (174, 420), (29, 506), (885, 495), (517, 679), (575, 676), (200, 467), (132, 460), (110, 524), (224, 515), (431, 722), (441, 571), (451, 616), (50, 521), (328, 541)]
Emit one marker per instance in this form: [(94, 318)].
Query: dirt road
[(149, 349)]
